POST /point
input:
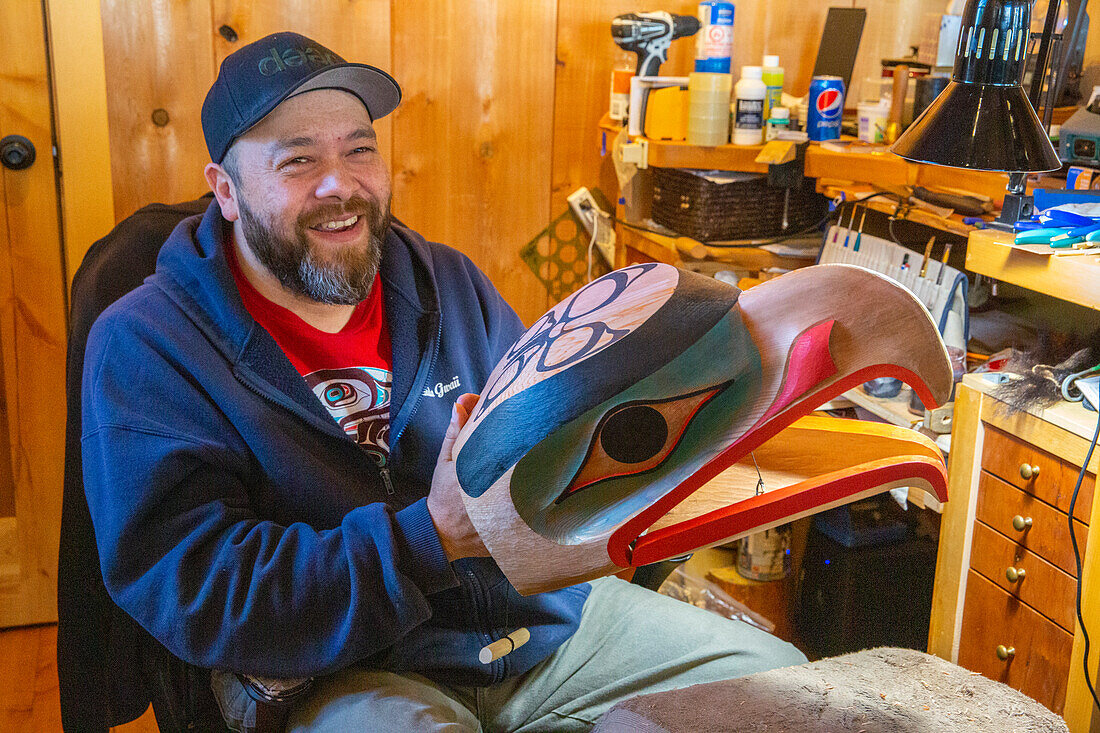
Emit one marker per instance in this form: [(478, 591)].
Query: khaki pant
[(630, 641)]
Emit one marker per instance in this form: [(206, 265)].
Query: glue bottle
[(748, 107), (773, 80)]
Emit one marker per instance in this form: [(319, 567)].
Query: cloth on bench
[(874, 691)]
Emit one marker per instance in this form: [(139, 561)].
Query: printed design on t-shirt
[(358, 398)]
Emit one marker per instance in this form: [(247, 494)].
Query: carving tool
[(1073, 236), (1038, 236), (859, 234), (927, 254), (851, 221), (943, 262), (836, 232), (1059, 218), (504, 646)]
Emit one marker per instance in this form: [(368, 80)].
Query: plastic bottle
[(714, 41), (780, 121), (773, 79), (622, 71), (748, 107), (708, 105)]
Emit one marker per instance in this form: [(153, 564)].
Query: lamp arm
[(1043, 55)]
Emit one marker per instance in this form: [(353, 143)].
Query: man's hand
[(456, 532)]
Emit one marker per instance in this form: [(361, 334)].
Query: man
[(269, 470)]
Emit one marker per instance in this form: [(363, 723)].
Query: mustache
[(355, 206)]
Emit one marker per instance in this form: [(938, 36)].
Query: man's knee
[(365, 699)]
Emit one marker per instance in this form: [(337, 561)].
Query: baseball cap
[(256, 78)]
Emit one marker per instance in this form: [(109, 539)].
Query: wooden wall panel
[(358, 30), (472, 138), (159, 55), (32, 327)]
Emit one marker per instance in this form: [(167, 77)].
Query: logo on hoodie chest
[(442, 388)]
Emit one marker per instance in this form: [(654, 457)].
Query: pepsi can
[(825, 108)]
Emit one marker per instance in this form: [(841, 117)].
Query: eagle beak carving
[(614, 432)]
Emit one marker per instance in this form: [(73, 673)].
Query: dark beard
[(346, 279)]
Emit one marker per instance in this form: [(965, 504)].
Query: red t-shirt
[(350, 371)]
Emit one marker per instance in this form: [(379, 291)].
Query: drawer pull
[(1027, 472), (1014, 574), (1021, 524), (1005, 652)]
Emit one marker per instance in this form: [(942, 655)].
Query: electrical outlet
[(584, 207), (595, 221)]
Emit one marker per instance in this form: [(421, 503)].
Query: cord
[(1077, 558), (591, 245), (761, 242)]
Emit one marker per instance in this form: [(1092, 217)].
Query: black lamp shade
[(983, 120)]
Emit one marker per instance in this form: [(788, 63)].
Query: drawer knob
[(1028, 472), (1005, 652), (1021, 523), (1015, 574)]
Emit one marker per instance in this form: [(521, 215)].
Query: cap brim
[(377, 90)]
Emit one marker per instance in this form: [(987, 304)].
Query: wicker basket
[(735, 207)]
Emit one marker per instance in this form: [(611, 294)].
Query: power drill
[(649, 36)]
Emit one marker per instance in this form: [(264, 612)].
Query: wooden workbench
[(1074, 278)]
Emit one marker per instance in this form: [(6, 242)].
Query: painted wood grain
[(159, 56), (801, 325), (32, 321)]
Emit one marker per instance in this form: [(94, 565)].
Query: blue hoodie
[(240, 526)]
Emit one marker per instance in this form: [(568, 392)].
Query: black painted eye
[(636, 437), (634, 434)]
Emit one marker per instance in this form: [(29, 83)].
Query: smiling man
[(267, 435)]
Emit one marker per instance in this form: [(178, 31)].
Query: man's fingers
[(465, 406)]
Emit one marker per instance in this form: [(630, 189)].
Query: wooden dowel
[(504, 646)]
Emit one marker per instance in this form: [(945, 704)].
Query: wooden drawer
[(1044, 587), (1003, 455), (1040, 666), (999, 502)]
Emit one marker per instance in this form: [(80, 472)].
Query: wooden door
[(32, 329)]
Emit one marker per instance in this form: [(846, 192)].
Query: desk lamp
[(983, 120)]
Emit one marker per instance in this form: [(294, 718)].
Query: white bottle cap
[(771, 61), (780, 113), (752, 72)]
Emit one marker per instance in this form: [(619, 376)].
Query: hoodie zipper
[(386, 480), (416, 394)]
